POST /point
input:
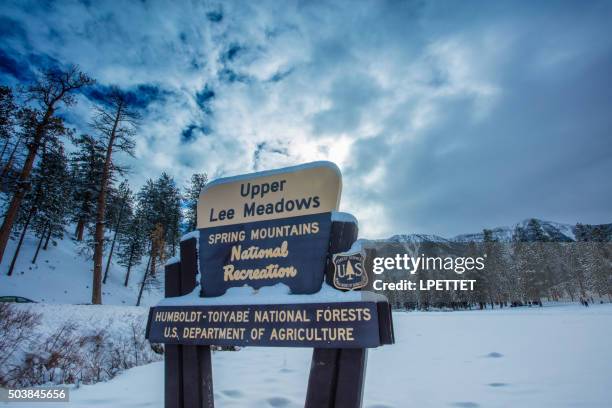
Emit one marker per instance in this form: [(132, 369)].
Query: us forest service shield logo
[(349, 271)]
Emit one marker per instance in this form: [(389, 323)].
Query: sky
[(445, 117)]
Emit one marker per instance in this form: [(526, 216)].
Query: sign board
[(272, 228), (268, 228), (322, 325)]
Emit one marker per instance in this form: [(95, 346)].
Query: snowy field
[(556, 356)]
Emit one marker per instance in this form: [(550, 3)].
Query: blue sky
[(445, 117)]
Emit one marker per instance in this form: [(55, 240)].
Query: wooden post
[(321, 392), (197, 364), (337, 376), (173, 356), (350, 378)]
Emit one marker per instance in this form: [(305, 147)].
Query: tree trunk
[(129, 267), (153, 257), (23, 232), (142, 284), (40, 241), (24, 176), (96, 289), (80, 229), (4, 148), (9, 162), (48, 238), (110, 254)]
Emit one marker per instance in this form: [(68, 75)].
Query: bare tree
[(116, 123), (54, 88)]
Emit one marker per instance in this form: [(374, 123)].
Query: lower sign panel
[(321, 325)]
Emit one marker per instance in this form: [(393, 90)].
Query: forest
[(54, 176), (532, 265)]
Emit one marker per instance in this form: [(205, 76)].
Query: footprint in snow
[(494, 354), (232, 393), (278, 402), (98, 401), (497, 384), (465, 404)]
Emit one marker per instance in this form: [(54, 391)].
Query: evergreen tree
[(53, 209), (159, 209), (192, 195), (55, 87), (41, 206), (581, 268), (120, 212), (86, 167), (529, 254), (156, 254), (115, 123), (26, 120), (160, 205), (132, 243), (8, 112)]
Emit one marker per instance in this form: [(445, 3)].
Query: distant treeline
[(532, 267), (44, 189)]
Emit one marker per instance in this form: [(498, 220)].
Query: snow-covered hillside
[(416, 238), (556, 356), (554, 231), (62, 275)]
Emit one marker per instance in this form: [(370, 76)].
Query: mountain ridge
[(553, 231)]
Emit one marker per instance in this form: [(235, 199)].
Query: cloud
[(445, 117)]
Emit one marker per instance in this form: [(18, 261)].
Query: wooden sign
[(311, 188), (275, 228), (323, 325), (268, 228)]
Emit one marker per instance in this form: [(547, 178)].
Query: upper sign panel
[(307, 189)]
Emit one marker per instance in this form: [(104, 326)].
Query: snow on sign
[(269, 227)]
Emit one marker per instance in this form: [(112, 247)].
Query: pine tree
[(159, 209), (86, 167), (120, 212), (34, 198), (8, 112), (53, 89), (53, 209), (581, 268), (157, 255), (160, 206), (132, 244), (191, 197), (26, 122), (529, 253), (115, 123), (31, 204)]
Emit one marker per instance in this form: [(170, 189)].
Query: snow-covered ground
[(556, 356), (88, 318), (62, 275)]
